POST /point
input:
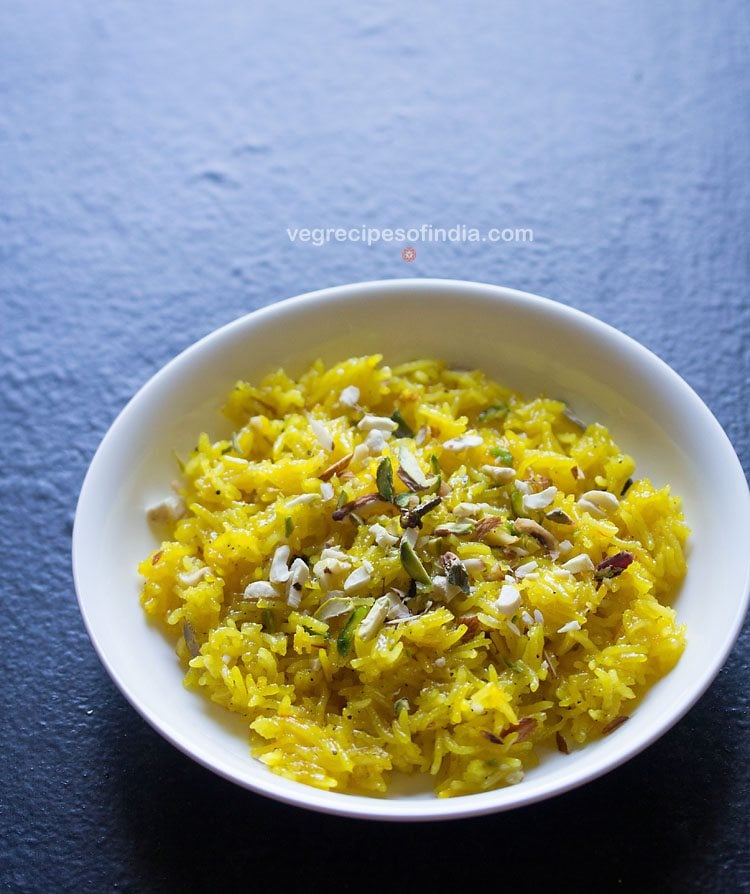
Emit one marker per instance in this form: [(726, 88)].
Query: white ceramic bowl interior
[(531, 344)]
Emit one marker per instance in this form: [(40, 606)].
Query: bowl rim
[(428, 809)]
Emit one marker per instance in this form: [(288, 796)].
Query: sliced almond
[(336, 468), (527, 526)]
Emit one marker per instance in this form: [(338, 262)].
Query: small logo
[(409, 254)]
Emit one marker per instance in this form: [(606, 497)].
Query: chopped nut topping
[(334, 607), (384, 479), (455, 571), (499, 474), (376, 441), (188, 634), (579, 563), (169, 510), (374, 619), (298, 576), (526, 569), (397, 610), (559, 517), (359, 578), (302, 500), (412, 565), (260, 589), (381, 423), (403, 430), (279, 565), (525, 728), (571, 417), (349, 397), (527, 526), (360, 455), (509, 600), (410, 472), (321, 433), (456, 528), (614, 724), (463, 442), (194, 576), (382, 537), (598, 502), (475, 565)]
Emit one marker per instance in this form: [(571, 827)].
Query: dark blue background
[(152, 155)]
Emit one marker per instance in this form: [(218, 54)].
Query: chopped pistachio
[(403, 430), (505, 457), (516, 502), (188, 634), (346, 637), (400, 705), (496, 411), (288, 525), (559, 517), (455, 571), (269, 621), (385, 479), (456, 528), (412, 566)]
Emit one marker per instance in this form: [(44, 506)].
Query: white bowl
[(529, 343)]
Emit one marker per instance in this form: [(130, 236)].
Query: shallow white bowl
[(529, 343)]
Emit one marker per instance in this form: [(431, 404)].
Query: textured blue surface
[(152, 156)]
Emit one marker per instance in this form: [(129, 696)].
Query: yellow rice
[(462, 691)]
